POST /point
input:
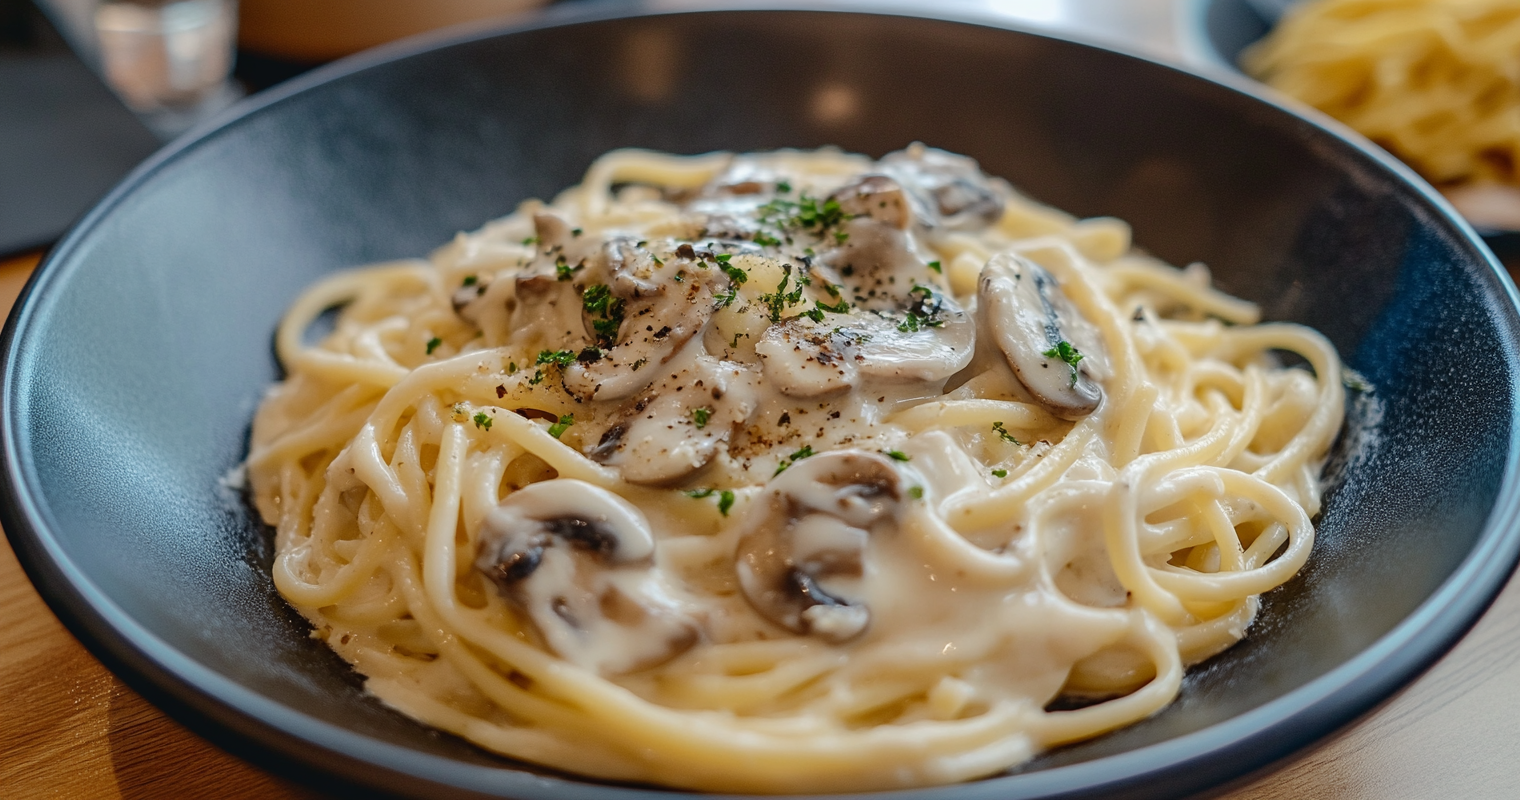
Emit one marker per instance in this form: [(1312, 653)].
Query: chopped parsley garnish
[(934, 265), (699, 493), (680, 274), (563, 271), (734, 345), (841, 237), (766, 240), (840, 307), (778, 300), (606, 313), (641, 362), (558, 358), (1065, 352), (782, 187), (530, 240), (898, 455), (923, 311), (806, 213), (700, 416), (736, 276), (807, 450), (433, 344), (916, 492), (1000, 473), (725, 501), (538, 377), (512, 368), (483, 420), (576, 231), (470, 280), (1002, 432), (559, 427), (724, 258)]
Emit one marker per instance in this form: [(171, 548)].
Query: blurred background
[(90, 88)]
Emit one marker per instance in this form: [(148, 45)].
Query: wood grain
[(70, 729)]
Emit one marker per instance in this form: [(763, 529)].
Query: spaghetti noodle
[(787, 472)]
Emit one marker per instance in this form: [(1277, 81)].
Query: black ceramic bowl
[(141, 347)]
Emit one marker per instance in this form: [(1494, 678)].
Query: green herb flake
[(1002, 432), (531, 240), (805, 452), (538, 377), (1000, 473), (724, 258), (766, 240), (698, 493), (841, 237), (1063, 351), (433, 344), (916, 492), (898, 455), (840, 307), (606, 313), (783, 187), (725, 501), (564, 272), (559, 427), (641, 362), (512, 368), (576, 231), (700, 416), (934, 265), (558, 358), (736, 275), (470, 280), (483, 420)]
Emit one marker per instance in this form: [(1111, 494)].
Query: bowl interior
[(139, 355)]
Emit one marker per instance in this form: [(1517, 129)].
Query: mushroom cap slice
[(1024, 312), (806, 359), (876, 196), (953, 191), (801, 554), (679, 428), (654, 316), (578, 561)]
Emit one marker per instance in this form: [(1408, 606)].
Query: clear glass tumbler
[(167, 55)]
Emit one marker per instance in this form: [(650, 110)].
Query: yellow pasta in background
[(1435, 82)]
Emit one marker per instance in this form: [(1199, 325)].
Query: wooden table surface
[(70, 729)]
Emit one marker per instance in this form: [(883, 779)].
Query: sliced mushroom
[(801, 555), (578, 560), (957, 195), (1026, 315), (929, 340), (875, 265), (878, 197), (681, 425), (653, 314)]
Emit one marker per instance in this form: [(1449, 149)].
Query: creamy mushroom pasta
[(785, 472)]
